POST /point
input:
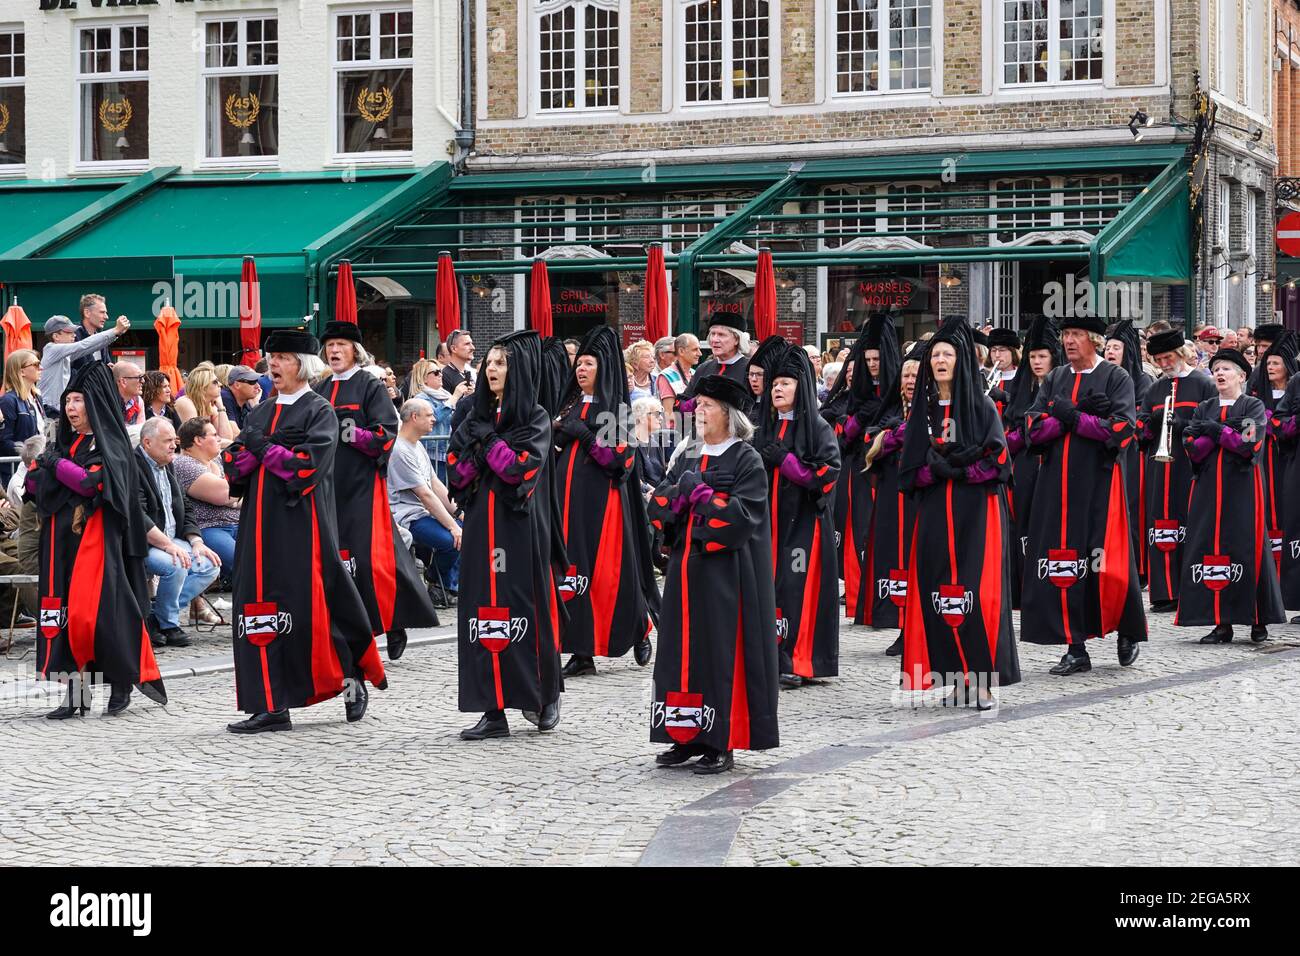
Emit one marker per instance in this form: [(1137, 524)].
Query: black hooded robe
[(1168, 484), (508, 613), (1228, 576), (370, 544), (94, 592), (716, 670), (1081, 577), (299, 626), (1285, 424), (1275, 460)]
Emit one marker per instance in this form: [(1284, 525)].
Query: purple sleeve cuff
[(464, 472), (244, 464), (29, 484), (792, 469), (1200, 448), (852, 428), (74, 477), (279, 462), (601, 455), (1288, 428), (924, 477), (499, 459), (686, 405), (1015, 442), (679, 504), (1090, 426), (1048, 429), (1232, 441), (367, 442), (893, 440), (975, 474), (700, 495)]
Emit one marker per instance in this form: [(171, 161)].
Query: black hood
[(610, 392), (556, 371), (1132, 361), (523, 380), (792, 362), (1284, 348), (865, 391), (104, 411), (1043, 334)]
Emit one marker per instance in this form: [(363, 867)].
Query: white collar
[(714, 450), (344, 376), (1226, 401), (731, 361), (1008, 374), (587, 399), (283, 399), (945, 402), (1279, 392), (1187, 370), (785, 416), (1087, 371)]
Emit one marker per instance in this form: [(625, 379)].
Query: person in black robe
[(1268, 382), (509, 616), (1081, 578), (716, 674), (301, 631), (609, 588), (1285, 424), (1004, 364), (1123, 349), (802, 458), (94, 594), (957, 629), (1168, 483), (370, 544), (1042, 353), (1229, 576), (729, 344), (770, 351)]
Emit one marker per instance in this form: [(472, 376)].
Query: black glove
[(773, 454), (721, 481), (999, 395), (1065, 411), (289, 437), (942, 468), (967, 457), (479, 430), (254, 440), (574, 429), (688, 482), (1096, 403), (50, 458)]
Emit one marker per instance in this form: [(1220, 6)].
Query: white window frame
[(386, 157), (242, 69), (1223, 235), (1250, 279), (17, 30), (728, 62), (541, 8), (1053, 49), (81, 80), (1057, 197), (573, 220), (832, 54), (877, 194)]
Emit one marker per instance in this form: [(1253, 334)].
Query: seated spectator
[(207, 493), (29, 521), (651, 454), (830, 372), (390, 383), (418, 498), (202, 399), (241, 395), (221, 371), (21, 414), (157, 395), (185, 566)]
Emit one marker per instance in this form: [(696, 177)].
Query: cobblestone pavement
[(1186, 757)]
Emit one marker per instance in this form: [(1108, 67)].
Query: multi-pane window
[(578, 56), (372, 66), (1051, 41), (1034, 192), (891, 198), (241, 78), (725, 43), (113, 89), (1223, 235), (908, 197), (1089, 191), (565, 225), (13, 99), (1250, 224), (882, 45)]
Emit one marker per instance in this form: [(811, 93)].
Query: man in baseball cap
[(241, 394), (63, 349)]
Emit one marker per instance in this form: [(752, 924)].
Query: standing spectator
[(202, 399), (390, 385), (264, 377), (94, 316), (1208, 340), (1245, 336), (440, 354), (242, 393), (419, 499), (460, 353), (571, 346), (639, 358), (830, 372), (130, 384), (21, 415), (157, 395), (816, 358), (651, 456), (674, 379), (63, 349), (443, 404), (207, 493), (665, 354), (185, 566), (29, 520)]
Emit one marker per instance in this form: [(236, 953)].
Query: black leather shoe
[(791, 681), (396, 643), (895, 649), (75, 703), (579, 666), (355, 699), (1163, 607), (1128, 651), (715, 762), (119, 700), (641, 651), (156, 636), (1259, 634), (1070, 664), (550, 716), (1220, 635), (175, 637), (1296, 619), (679, 754), (486, 728), (262, 723)]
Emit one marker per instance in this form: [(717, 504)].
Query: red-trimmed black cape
[(1229, 576), (1135, 472), (716, 669), (1276, 458), (1168, 484), (369, 542), (609, 588), (957, 626), (93, 589), (1284, 424), (508, 613), (1081, 577), (300, 628), (803, 532)]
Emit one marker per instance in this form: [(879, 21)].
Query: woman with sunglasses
[(21, 415)]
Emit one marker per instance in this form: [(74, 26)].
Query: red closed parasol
[(764, 297), (345, 295), (656, 294), (168, 327), (447, 297), (250, 314), (539, 292)]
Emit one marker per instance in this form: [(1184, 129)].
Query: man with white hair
[(302, 634), (729, 343)]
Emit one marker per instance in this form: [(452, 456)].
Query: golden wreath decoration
[(375, 107), (4, 118), (115, 115), (242, 111)]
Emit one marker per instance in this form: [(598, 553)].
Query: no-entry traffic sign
[(1288, 234)]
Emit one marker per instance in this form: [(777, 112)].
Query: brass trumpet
[(1164, 453)]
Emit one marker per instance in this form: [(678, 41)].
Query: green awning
[(1150, 241), (28, 207)]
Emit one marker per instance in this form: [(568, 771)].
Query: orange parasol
[(18, 329), (168, 327)]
